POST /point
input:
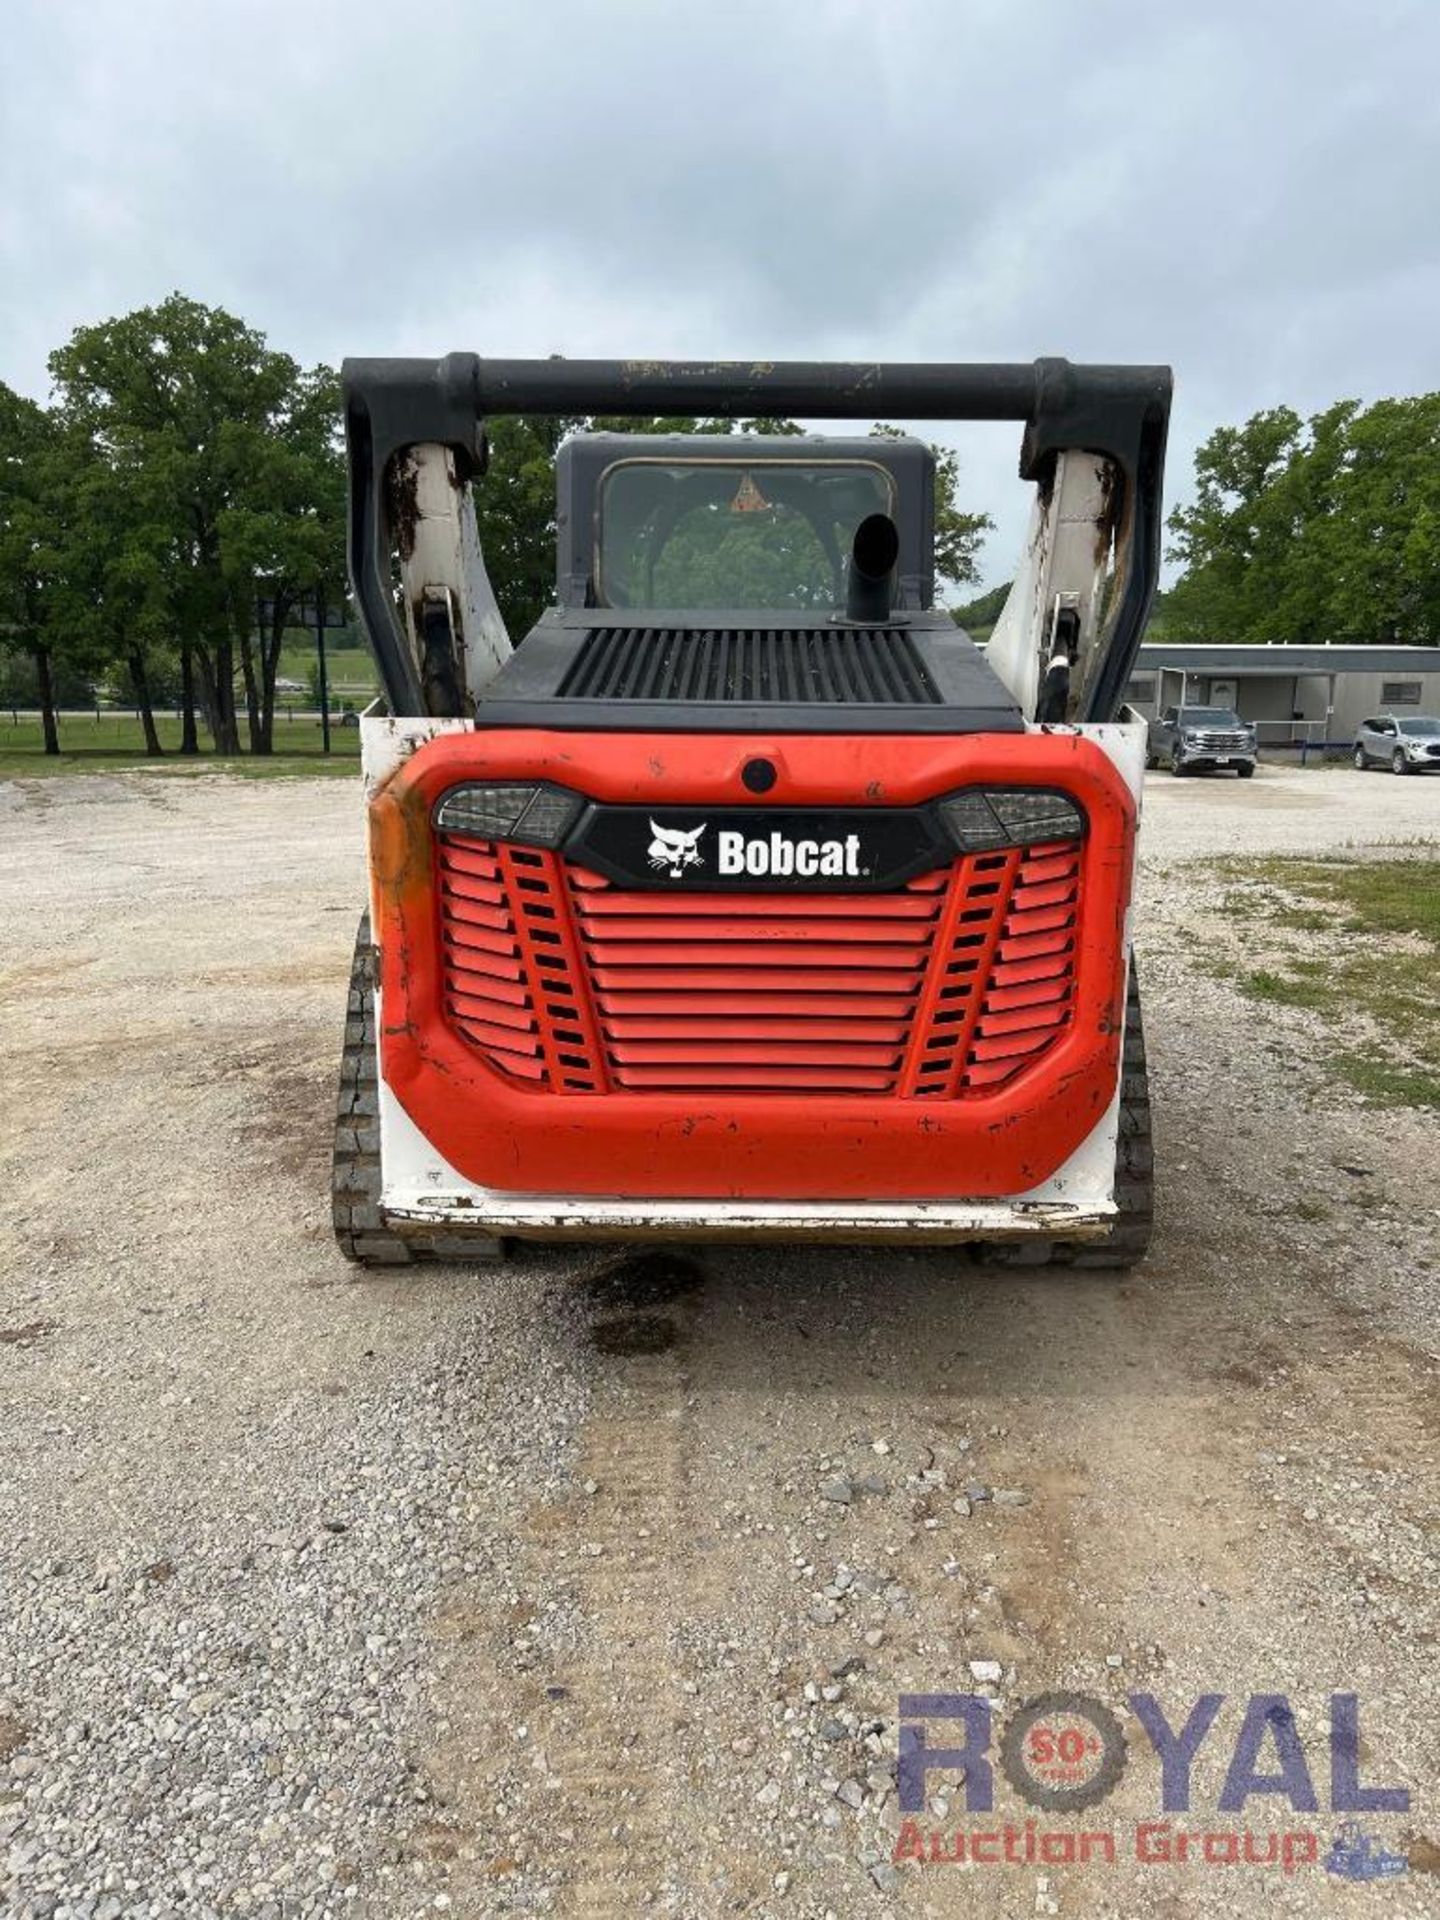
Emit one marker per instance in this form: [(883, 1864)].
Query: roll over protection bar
[(1118, 412)]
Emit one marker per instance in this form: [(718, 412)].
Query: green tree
[(107, 551), (235, 452), (283, 536), (28, 624), (978, 616), (1381, 547), (1322, 528), (1240, 539)]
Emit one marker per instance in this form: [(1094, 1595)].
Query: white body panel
[(442, 561), (420, 1188), (386, 743), (1063, 565)]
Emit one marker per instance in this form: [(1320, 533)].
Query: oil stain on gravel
[(651, 1279), (638, 1333), (628, 1292)]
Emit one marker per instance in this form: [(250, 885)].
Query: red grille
[(950, 985), (510, 978), (765, 990), (1003, 985)]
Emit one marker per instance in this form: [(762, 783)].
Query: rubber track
[(360, 1227), (1129, 1237)]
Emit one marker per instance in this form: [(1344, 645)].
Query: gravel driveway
[(587, 1587)]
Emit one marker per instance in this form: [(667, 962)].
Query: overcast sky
[(1249, 192)]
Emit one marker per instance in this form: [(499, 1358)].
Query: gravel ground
[(588, 1586)]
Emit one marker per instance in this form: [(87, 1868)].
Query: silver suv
[(1409, 745)]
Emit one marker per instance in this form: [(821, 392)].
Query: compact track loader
[(745, 897)]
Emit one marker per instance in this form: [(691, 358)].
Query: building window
[(1400, 693), (1142, 687)]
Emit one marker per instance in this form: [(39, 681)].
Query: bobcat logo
[(672, 850)]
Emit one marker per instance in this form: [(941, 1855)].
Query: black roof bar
[(449, 396)]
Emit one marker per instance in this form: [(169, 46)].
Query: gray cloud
[(1247, 192)]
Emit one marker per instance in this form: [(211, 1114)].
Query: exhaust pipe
[(873, 554)]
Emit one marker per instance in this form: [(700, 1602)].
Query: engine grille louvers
[(950, 986), (825, 666)]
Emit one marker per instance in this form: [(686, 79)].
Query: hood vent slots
[(810, 666)]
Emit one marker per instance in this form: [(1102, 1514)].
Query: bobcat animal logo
[(672, 849)]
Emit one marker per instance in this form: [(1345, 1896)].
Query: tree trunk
[(208, 701), (322, 678), (224, 725), (188, 741), (270, 645), (242, 616), (215, 654), (48, 722), (140, 686), (252, 694)]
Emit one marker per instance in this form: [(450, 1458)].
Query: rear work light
[(980, 821), (534, 815)]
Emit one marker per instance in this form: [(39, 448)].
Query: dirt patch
[(27, 1335)]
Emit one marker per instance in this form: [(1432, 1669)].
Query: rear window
[(706, 535)]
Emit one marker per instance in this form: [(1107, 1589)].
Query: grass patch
[(1387, 1084), (1381, 896), (1284, 990), (114, 744), (1302, 919), (1377, 965)]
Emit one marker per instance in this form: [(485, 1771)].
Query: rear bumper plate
[(554, 1217)]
